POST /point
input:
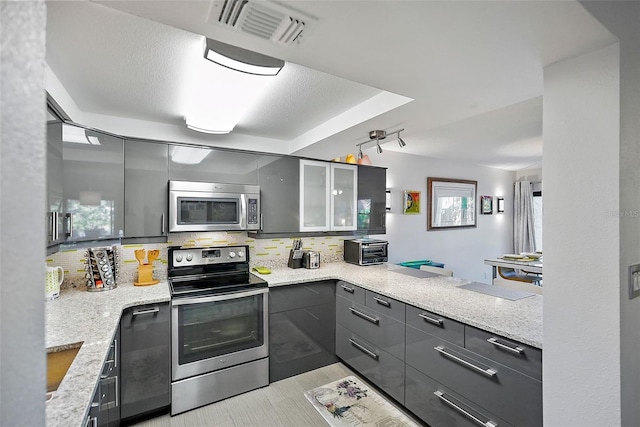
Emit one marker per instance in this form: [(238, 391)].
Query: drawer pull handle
[(382, 302), (366, 351), (438, 322), (516, 349), (348, 289), (146, 311), (464, 412), (364, 316), (488, 371)]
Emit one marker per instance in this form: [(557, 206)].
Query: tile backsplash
[(272, 253)]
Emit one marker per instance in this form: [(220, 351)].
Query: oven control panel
[(206, 256)]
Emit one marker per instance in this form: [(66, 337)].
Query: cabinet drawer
[(437, 325), (384, 332), (440, 407), (385, 305), (378, 366), (511, 395), (296, 296), (521, 357), (351, 292)]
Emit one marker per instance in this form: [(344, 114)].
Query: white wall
[(624, 21), (22, 202), (462, 250), (581, 376)]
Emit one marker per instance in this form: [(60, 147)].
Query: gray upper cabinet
[(278, 178), (55, 214), (85, 183), (145, 188), (372, 183), (211, 165)]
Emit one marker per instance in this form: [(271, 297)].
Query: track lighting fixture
[(401, 143), (377, 136)]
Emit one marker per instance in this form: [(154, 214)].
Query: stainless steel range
[(219, 326)]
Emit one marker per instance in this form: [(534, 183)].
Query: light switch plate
[(634, 281)]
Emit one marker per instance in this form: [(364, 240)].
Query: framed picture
[(486, 205), (451, 203), (411, 202)]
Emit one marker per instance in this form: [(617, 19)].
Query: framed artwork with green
[(411, 202)]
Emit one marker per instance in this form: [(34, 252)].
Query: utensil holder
[(145, 275)]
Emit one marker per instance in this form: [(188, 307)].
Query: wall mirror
[(451, 203)]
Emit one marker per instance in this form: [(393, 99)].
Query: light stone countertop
[(93, 317), (520, 320)]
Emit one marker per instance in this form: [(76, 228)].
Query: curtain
[(523, 236)]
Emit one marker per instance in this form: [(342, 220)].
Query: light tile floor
[(281, 404)]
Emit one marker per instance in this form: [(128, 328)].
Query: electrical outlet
[(634, 281)]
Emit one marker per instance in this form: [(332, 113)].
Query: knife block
[(294, 262), (145, 275)]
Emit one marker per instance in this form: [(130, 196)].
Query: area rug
[(349, 402)]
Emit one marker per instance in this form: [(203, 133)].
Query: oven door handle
[(221, 297)]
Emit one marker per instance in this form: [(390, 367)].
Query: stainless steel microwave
[(208, 206)]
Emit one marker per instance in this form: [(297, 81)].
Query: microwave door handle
[(243, 212)]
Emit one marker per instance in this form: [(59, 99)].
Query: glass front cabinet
[(328, 193)]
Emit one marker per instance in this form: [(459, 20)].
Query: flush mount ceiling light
[(217, 95), (242, 60), (377, 136)]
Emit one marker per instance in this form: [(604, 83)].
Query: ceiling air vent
[(264, 19)]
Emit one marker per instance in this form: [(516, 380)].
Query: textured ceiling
[(463, 78)]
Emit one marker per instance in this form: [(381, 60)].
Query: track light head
[(379, 148), (401, 142)]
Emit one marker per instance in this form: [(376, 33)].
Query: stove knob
[(178, 258), (232, 254), (189, 256), (241, 254)]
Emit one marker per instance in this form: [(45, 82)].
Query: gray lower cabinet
[(439, 406), (145, 188), (385, 332), (145, 359), (445, 372), (109, 402), (378, 366), (301, 328), (515, 397), (370, 337)]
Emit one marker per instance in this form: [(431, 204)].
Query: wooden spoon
[(140, 255), (153, 254)]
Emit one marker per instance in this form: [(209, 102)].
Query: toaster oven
[(366, 251)]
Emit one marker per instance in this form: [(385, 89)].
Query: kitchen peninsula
[(79, 316)]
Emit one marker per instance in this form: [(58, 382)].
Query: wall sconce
[(500, 204), (388, 200)]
